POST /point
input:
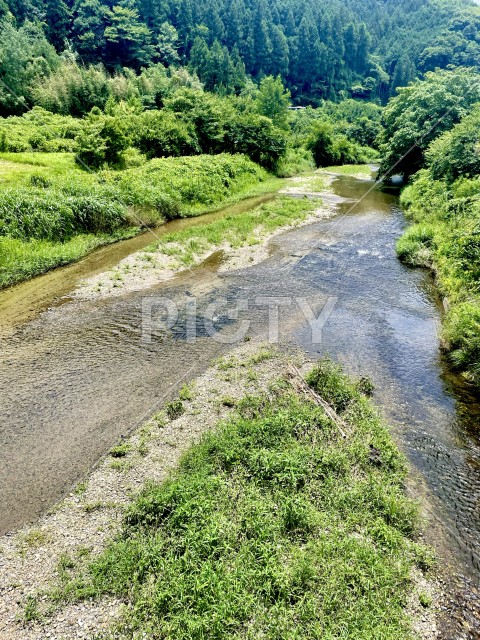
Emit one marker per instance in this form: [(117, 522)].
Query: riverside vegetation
[(443, 199), (274, 525), (69, 185)]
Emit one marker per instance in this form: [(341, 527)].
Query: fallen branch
[(299, 384)]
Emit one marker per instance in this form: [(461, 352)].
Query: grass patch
[(20, 260), (52, 213), (235, 230), (272, 527), (350, 169), (34, 539)]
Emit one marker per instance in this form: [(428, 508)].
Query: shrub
[(415, 246), (168, 206), (256, 137), (330, 148), (102, 140), (161, 134)]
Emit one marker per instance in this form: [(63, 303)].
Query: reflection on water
[(77, 378)]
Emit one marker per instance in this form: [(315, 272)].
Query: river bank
[(41, 564), (53, 213), (243, 239)]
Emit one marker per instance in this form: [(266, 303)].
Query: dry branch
[(299, 384)]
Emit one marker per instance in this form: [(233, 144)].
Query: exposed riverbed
[(79, 376)]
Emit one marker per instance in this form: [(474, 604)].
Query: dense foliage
[(322, 49), (423, 111), (53, 213), (443, 200)]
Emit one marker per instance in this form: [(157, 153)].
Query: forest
[(322, 50)]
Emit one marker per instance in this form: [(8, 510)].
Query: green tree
[(25, 58), (167, 44), (456, 153), (102, 141), (89, 24), (280, 53), (58, 17), (128, 40), (273, 101), (256, 137), (422, 112), (321, 142), (73, 89)]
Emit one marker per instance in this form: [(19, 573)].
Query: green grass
[(445, 238), (349, 169), (237, 230), (272, 527), (53, 213), (23, 260)]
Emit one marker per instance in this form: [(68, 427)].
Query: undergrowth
[(52, 213)]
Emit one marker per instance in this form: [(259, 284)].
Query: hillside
[(325, 49)]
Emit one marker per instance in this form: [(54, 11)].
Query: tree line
[(323, 49)]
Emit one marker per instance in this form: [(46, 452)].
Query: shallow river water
[(79, 376)]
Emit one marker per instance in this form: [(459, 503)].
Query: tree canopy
[(323, 49)]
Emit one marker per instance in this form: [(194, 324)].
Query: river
[(77, 377)]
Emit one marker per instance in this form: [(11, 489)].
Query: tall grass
[(22, 260), (49, 199), (273, 527)]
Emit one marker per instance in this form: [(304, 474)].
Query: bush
[(256, 137), (415, 246), (161, 134), (45, 215), (329, 148), (461, 332), (457, 152), (191, 181), (102, 141), (38, 130), (295, 161), (168, 206)]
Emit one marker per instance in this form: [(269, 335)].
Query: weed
[(186, 393), (425, 600), (121, 450), (174, 409), (31, 612), (34, 538), (81, 488), (270, 524), (261, 356), (228, 401), (120, 464), (91, 507)]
